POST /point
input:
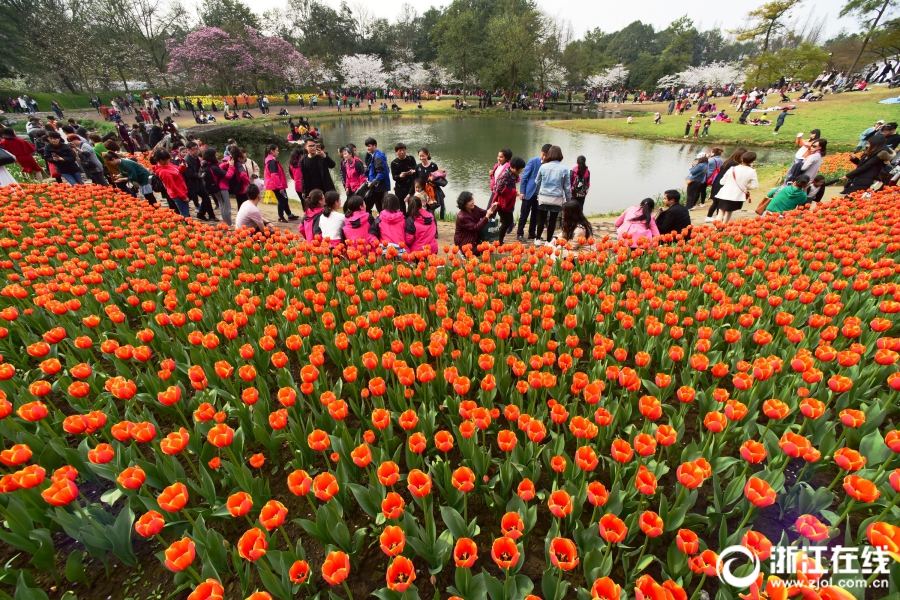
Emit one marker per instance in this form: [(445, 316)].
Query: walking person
[(196, 188), (581, 180), (276, 182), (528, 195), (736, 187), (297, 155), (713, 166), (784, 114), (554, 185), (727, 164)]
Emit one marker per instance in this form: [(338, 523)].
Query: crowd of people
[(398, 202)]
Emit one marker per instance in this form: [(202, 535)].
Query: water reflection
[(622, 170)]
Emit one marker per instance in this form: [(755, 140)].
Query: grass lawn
[(841, 118)]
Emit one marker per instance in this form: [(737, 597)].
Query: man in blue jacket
[(528, 193), (378, 174)]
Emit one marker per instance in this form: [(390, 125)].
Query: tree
[(460, 21), (513, 32), (214, 59), (766, 21), (866, 10), (609, 78), (713, 74), (229, 15), (363, 70)]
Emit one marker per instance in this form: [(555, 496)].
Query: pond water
[(623, 171)]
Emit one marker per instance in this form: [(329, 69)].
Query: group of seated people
[(409, 228), (203, 118), (233, 116)]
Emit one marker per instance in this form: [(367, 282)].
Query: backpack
[(579, 189), (157, 185), (207, 177), (712, 177), (234, 184)]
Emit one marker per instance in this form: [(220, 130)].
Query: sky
[(586, 15)]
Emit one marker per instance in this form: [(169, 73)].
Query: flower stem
[(347, 588), (699, 587)]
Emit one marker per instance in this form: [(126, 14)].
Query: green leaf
[(120, 536), (493, 585), (874, 449), (75, 568), (44, 558), (23, 592), (455, 523)]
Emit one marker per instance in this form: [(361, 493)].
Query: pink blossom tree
[(210, 58)]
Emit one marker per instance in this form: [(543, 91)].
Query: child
[(331, 222), (390, 226), (356, 222), (421, 229), (697, 124), (505, 194), (657, 119), (174, 183), (687, 128), (312, 213), (420, 185), (816, 189)]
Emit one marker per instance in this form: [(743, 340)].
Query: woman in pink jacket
[(390, 226), (421, 228), (637, 222), (357, 221)]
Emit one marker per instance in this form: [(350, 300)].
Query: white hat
[(879, 122), (701, 155)]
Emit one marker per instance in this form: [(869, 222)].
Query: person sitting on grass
[(249, 215)]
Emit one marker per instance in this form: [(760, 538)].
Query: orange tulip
[(560, 503), (687, 542), (505, 552), (612, 528), (299, 482), (180, 554), (299, 571), (325, 486), (272, 515), (861, 489), (759, 492), (149, 524), (563, 554), (393, 540), (253, 545), (239, 504), (400, 574), (811, 528), (418, 483), (605, 589), (512, 526), (173, 498), (336, 568), (884, 535), (465, 553), (392, 506)]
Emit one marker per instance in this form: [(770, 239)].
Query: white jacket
[(737, 182)]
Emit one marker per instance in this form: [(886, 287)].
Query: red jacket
[(171, 177), (505, 190)]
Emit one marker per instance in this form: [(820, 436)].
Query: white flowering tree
[(715, 74), (413, 75), (441, 76), (363, 70), (609, 78)]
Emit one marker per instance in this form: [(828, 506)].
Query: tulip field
[(213, 414)]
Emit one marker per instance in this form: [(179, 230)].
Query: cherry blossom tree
[(362, 70), (210, 58), (715, 74), (609, 78)]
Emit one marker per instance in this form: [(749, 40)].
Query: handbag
[(762, 206), (6, 158)]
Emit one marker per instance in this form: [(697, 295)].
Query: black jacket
[(674, 219), (403, 185), (316, 173), (62, 157), (192, 173), (863, 176)]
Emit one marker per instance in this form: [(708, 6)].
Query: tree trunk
[(68, 83), (862, 49), (124, 80)]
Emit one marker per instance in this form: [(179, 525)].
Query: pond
[(623, 171)]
